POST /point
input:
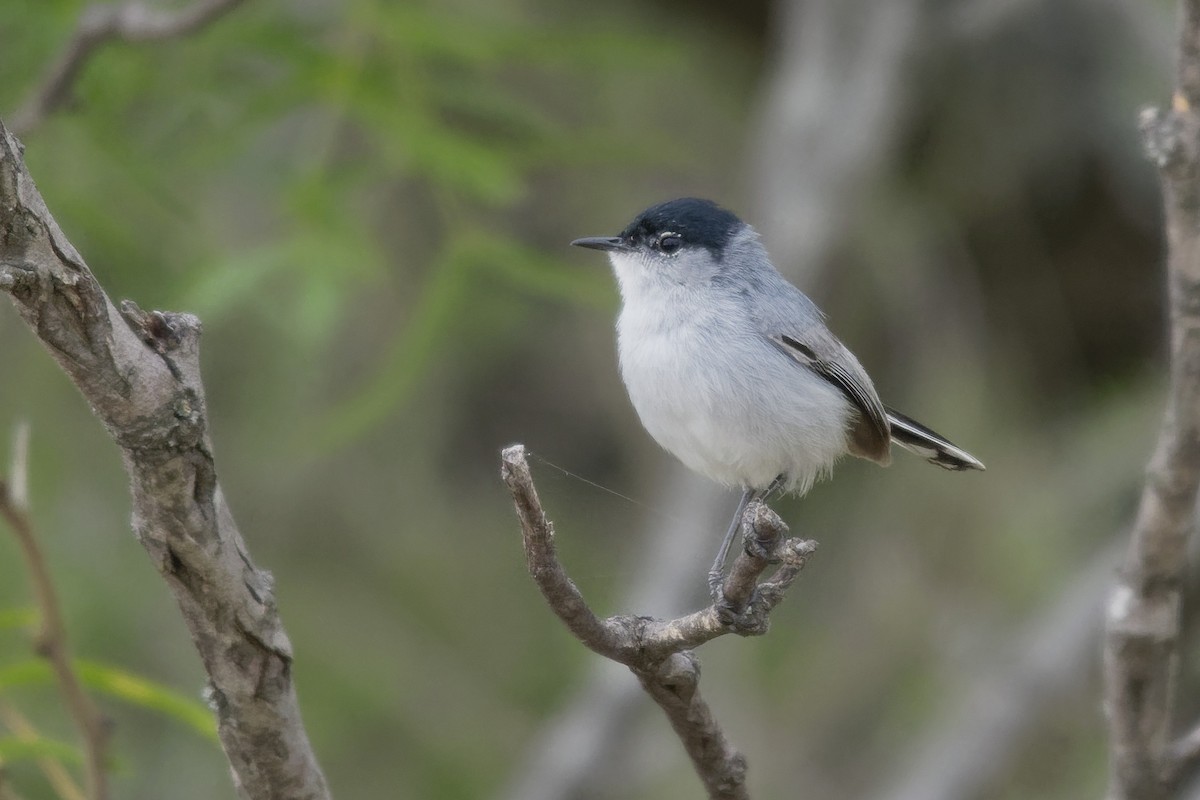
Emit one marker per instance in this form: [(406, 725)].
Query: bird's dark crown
[(701, 223)]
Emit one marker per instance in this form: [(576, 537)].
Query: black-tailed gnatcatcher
[(732, 369)]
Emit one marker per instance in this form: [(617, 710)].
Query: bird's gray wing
[(817, 349), (787, 318)]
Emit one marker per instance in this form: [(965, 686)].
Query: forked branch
[(658, 651)]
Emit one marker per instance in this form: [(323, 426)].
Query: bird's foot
[(716, 582)]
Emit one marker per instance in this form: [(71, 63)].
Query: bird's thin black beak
[(601, 243)]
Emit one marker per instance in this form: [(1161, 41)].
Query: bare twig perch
[(51, 641), (99, 24), (140, 373), (1142, 631), (658, 651)]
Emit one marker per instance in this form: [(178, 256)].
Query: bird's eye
[(669, 242)]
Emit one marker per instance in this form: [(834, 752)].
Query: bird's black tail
[(933, 447)]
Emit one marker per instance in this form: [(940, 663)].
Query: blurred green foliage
[(27, 749), (116, 683)]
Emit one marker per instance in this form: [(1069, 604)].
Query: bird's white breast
[(716, 394)]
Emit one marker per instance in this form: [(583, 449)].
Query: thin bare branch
[(56, 774), (659, 651), (575, 751), (51, 641), (18, 471), (98, 25), (140, 373), (563, 597), (1143, 619)]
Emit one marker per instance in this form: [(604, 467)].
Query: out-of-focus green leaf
[(468, 164), (531, 270), (410, 353), (446, 37), (225, 284), (25, 673), (613, 51), (494, 112), (308, 278), (148, 694), (23, 617), (14, 748), (412, 138), (121, 684), (437, 314)]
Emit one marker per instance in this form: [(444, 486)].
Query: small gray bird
[(732, 369)]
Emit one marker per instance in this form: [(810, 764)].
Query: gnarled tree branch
[(140, 373), (1143, 619), (98, 25), (658, 651)]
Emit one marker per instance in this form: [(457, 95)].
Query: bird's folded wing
[(829, 358)]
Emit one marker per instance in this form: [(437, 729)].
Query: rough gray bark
[(658, 651), (140, 373), (1143, 620)]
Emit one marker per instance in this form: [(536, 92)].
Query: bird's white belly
[(738, 423)]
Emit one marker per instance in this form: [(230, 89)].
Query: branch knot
[(1171, 138)]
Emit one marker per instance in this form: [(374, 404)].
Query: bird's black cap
[(700, 223)]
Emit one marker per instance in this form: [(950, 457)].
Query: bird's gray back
[(788, 318)]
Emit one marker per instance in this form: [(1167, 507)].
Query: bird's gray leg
[(776, 486), (718, 568)]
